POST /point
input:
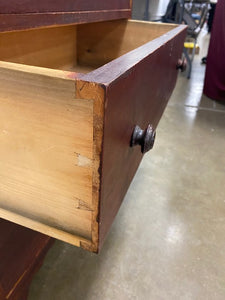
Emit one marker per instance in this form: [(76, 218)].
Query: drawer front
[(137, 88), (139, 97)]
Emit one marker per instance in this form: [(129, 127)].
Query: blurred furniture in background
[(155, 9), (192, 13)]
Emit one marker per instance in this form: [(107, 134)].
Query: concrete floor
[(168, 240)]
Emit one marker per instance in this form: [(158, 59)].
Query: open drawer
[(70, 98)]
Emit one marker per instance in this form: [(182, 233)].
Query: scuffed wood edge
[(95, 92), (31, 70)]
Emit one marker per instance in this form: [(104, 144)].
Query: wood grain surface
[(46, 165), (45, 47)]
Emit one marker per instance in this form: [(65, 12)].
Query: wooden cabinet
[(70, 98)]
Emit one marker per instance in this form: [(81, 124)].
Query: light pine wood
[(46, 229), (100, 44), (47, 47), (78, 47), (46, 138), (91, 90), (77, 69), (26, 14)]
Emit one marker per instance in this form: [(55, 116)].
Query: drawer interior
[(78, 48)]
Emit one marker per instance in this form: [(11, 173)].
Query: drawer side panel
[(46, 138)]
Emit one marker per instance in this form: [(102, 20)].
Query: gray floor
[(168, 240)]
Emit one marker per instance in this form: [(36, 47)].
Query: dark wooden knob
[(182, 64), (144, 138)]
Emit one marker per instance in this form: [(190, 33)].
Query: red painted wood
[(41, 6), (21, 254), (139, 97), (24, 14), (138, 86), (12, 22)]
